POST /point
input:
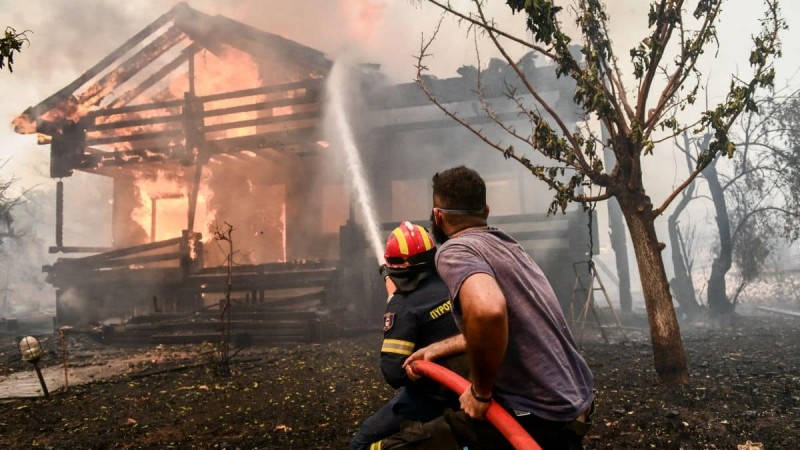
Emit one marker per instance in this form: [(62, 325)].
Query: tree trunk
[(718, 302), (616, 229), (682, 282), (668, 352)]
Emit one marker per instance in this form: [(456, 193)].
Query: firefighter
[(417, 315)]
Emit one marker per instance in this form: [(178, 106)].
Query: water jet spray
[(335, 109)]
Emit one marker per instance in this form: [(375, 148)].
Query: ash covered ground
[(745, 386)]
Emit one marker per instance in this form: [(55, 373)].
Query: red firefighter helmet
[(409, 245)]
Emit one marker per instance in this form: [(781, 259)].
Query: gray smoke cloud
[(70, 36)]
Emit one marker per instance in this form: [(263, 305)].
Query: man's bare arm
[(485, 321), (440, 349)]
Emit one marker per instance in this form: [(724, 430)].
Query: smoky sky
[(69, 36)]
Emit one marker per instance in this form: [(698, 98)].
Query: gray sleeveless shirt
[(543, 372)]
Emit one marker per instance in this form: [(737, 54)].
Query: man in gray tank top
[(520, 349)]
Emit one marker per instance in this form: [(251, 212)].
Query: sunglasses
[(459, 210)]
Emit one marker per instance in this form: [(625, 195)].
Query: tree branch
[(566, 132), (659, 39), (682, 70), (424, 46), (451, 10)]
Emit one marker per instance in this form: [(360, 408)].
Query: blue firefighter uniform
[(413, 319)]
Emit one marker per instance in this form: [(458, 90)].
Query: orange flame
[(232, 186), (230, 71), (169, 194)]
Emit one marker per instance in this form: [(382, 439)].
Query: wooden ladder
[(589, 303)]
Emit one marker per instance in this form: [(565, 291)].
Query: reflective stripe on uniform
[(397, 346), (375, 446)]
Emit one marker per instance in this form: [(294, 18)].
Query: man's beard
[(438, 233)]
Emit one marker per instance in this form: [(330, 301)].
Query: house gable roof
[(181, 26)]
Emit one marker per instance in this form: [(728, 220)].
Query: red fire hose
[(498, 416)]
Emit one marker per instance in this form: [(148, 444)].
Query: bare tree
[(682, 284), (7, 203), (667, 79), (757, 204), (6, 231), (754, 199), (226, 235), (16, 243)]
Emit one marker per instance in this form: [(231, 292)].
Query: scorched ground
[(745, 386)]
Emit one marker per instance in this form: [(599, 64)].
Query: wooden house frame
[(108, 122)]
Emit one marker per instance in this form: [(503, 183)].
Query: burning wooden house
[(202, 121)]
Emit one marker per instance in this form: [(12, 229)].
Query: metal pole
[(41, 379)]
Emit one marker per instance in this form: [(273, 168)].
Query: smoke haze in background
[(68, 37)]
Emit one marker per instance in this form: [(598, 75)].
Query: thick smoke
[(69, 37)]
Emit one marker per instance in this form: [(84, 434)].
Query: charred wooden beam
[(61, 275), (66, 151), (168, 104), (158, 76), (136, 260), (269, 280), (134, 123), (135, 137), (286, 118), (122, 252), (193, 123), (94, 94), (266, 311), (64, 93), (133, 156), (307, 99), (192, 75), (198, 178), (276, 139), (271, 89), (195, 146), (270, 267), (61, 249), (59, 214), (115, 125)]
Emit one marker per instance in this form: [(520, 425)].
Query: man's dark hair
[(460, 188)]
